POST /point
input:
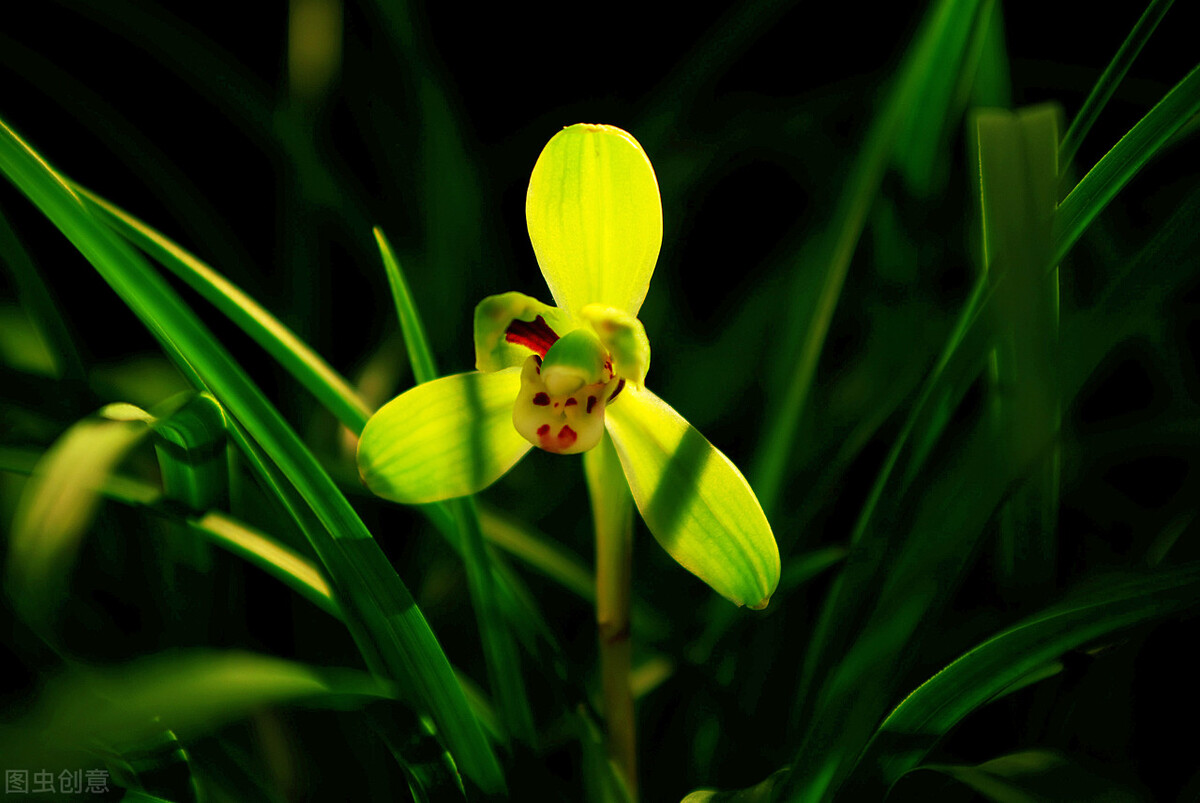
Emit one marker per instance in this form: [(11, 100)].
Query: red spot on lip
[(566, 437), (543, 430), (541, 399), (535, 335), (570, 402)]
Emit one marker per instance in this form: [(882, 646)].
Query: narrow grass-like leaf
[(1106, 606), (219, 528), (539, 552), (415, 340), (504, 666), (268, 553), (1035, 776), (1109, 80), (763, 792), (159, 764), (188, 693), (943, 58), (1127, 157), (961, 359), (39, 303), (946, 27), (926, 554), (389, 629), (308, 367), (60, 501)]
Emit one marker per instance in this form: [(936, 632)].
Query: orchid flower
[(563, 378)]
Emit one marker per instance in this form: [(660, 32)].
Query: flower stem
[(612, 513)]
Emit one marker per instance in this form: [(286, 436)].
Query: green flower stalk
[(565, 377)]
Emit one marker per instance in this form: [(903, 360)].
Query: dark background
[(180, 113)]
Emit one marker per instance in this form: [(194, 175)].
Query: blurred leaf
[(760, 793), (22, 345), (1017, 153), (55, 348), (1035, 776), (941, 60), (1101, 608), (944, 33), (188, 693), (60, 501), (538, 551), (159, 764), (388, 628), (602, 779), (308, 367)]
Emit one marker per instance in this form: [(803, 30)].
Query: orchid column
[(570, 378)]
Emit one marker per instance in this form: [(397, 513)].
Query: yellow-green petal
[(694, 500), (495, 314), (624, 337), (595, 218), (450, 437)]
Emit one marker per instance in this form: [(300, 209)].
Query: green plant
[(951, 337)]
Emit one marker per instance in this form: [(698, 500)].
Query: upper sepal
[(450, 437), (595, 218), (696, 503)]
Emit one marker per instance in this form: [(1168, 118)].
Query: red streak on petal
[(591, 403), (536, 335), (620, 387), (541, 399)]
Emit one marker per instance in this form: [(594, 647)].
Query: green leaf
[(1032, 776), (188, 693), (191, 454), (759, 793), (695, 502), (1109, 80), (1127, 157), (943, 55), (389, 629), (595, 218), (446, 438), (39, 303), (1104, 607), (1018, 176), (308, 367), (415, 341), (943, 32), (61, 500), (500, 652)]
